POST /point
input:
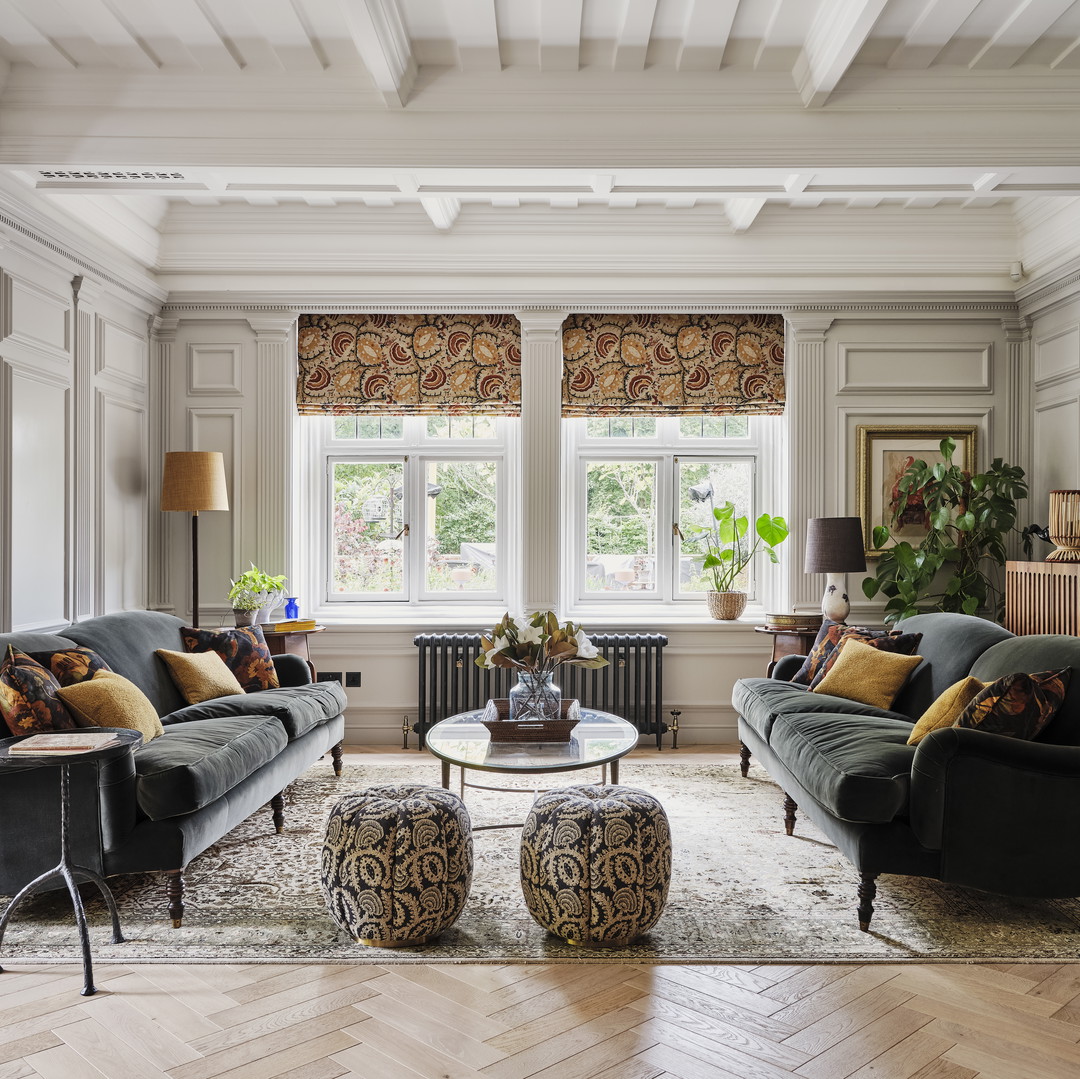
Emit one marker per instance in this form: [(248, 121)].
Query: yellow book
[(297, 625)]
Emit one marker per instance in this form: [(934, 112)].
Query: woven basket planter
[(726, 606)]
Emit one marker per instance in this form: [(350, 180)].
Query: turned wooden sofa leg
[(789, 814), (277, 805), (867, 891), (174, 892), (744, 759), (335, 754)]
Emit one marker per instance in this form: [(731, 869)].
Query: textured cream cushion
[(200, 676), (945, 711), (866, 674), (111, 700)]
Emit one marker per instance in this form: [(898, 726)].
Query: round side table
[(66, 870)]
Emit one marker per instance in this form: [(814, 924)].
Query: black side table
[(66, 870)]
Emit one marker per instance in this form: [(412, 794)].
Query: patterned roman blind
[(663, 365), (415, 365)]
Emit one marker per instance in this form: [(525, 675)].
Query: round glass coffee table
[(599, 740)]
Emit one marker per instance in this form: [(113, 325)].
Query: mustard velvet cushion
[(1018, 705), (200, 676), (110, 700), (866, 674), (28, 696), (945, 711)]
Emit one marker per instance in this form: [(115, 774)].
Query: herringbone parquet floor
[(606, 1021), (565, 1022)]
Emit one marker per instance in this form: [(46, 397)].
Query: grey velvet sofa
[(216, 764), (963, 806)]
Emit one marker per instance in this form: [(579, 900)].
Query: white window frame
[(763, 446), (415, 450)]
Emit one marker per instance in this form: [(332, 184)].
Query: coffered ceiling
[(166, 125)]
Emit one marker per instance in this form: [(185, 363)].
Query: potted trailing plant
[(255, 591), (729, 551), (955, 566)]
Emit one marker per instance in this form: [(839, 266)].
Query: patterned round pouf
[(397, 863), (596, 863)]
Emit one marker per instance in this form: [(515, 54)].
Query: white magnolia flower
[(585, 648), (529, 634), (499, 643)]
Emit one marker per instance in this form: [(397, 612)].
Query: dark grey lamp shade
[(834, 545)]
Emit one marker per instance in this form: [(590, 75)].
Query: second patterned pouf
[(397, 863), (596, 863)]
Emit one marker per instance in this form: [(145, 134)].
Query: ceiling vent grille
[(112, 176)]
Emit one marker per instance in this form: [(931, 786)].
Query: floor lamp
[(834, 546), (192, 481)]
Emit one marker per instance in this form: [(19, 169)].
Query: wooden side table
[(788, 642), (295, 641)]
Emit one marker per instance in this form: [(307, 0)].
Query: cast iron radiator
[(630, 686)]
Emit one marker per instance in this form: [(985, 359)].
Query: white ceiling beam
[(632, 42), (560, 35), (742, 212), (837, 35), (442, 211), (1028, 22), (30, 40), (935, 27), (1068, 57), (207, 43), (477, 33), (705, 35), (115, 37), (783, 36), (378, 32), (288, 35)]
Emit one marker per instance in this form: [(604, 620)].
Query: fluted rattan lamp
[(834, 546), (194, 481)]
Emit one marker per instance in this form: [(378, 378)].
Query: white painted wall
[(227, 385), (74, 417)]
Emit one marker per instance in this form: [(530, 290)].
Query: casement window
[(640, 489), (416, 509)]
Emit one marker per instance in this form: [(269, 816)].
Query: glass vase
[(535, 697)]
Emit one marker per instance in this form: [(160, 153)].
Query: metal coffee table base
[(71, 875)]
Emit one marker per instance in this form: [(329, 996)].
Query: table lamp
[(834, 546), (1064, 527), (192, 481)]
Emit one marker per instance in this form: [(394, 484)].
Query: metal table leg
[(70, 874)]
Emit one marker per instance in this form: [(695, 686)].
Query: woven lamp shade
[(834, 545), (194, 481)]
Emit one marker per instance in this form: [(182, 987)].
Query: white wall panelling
[(1057, 355), (122, 352), (214, 370), (39, 317), (918, 367)]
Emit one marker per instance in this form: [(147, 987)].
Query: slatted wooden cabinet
[(1042, 597)]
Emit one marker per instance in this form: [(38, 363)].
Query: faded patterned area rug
[(741, 889)]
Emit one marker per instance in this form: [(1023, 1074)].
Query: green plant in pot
[(730, 548), (956, 566), (255, 594)]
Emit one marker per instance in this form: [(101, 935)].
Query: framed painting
[(884, 454)]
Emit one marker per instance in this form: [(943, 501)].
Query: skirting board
[(699, 724)]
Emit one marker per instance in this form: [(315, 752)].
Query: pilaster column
[(805, 376), (541, 455), (1018, 449), (85, 598), (162, 334), (275, 364)]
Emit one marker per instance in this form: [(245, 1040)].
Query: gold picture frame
[(883, 453)]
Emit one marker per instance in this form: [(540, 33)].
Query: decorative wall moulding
[(1057, 356), (915, 367), (214, 370)]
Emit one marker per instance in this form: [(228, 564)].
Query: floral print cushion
[(69, 666), (28, 697), (827, 646), (1018, 705), (898, 644), (244, 651)]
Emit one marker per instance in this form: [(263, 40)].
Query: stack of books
[(295, 625), (64, 742)]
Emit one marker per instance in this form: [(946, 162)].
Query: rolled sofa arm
[(787, 667), (1003, 812), (292, 670)]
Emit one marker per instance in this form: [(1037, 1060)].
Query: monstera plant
[(957, 564)]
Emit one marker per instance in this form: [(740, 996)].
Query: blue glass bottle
[(292, 608)]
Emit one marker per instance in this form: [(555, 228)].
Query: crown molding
[(241, 304)]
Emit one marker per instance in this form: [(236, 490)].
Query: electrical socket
[(352, 679), (329, 676)]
